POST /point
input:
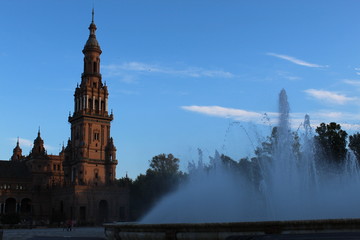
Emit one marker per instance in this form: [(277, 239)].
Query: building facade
[(79, 183)]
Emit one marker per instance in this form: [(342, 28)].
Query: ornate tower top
[(38, 147), (92, 44), (17, 152)]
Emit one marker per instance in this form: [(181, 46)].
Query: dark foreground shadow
[(62, 238), (307, 236)]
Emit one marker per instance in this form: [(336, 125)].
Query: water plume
[(285, 181)]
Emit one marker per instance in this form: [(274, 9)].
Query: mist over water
[(287, 182)]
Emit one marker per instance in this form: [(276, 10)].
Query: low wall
[(234, 230)]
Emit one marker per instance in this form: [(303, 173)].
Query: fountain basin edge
[(229, 230)]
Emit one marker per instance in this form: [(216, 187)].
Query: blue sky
[(179, 72)]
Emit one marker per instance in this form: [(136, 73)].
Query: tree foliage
[(165, 165), (332, 142), (162, 177), (354, 144)]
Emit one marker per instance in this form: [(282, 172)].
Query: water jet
[(286, 192)]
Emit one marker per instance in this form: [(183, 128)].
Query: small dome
[(110, 146), (92, 43)]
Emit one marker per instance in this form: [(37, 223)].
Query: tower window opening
[(96, 136), (95, 67)]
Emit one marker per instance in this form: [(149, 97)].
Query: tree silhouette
[(354, 144), (331, 140)]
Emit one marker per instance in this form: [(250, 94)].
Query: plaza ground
[(91, 233)]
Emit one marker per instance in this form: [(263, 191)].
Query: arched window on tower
[(95, 67), (96, 104), (90, 103)]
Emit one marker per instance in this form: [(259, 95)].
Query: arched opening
[(103, 212), (102, 106), (90, 103), (122, 213), (95, 67), (96, 104), (10, 206), (25, 206), (61, 206)]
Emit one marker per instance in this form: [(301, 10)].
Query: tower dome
[(92, 44), (17, 152)]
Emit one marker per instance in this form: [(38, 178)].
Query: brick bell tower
[(90, 156)]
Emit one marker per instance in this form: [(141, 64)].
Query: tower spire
[(92, 44), (17, 152)]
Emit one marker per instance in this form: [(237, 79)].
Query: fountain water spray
[(282, 183)]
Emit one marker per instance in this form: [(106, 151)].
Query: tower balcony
[(91, 75), (91, 113)]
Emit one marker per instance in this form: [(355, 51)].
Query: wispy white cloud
[(128, 92), (355, 83), (128, 79), (296, 119), (23, 142), (357, 70), (330, 97), (288, 76), (296, 61), (236, 114), (196, 72)]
